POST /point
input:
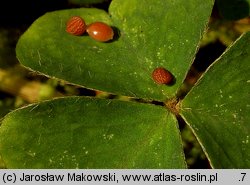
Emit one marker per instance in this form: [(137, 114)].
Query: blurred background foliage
[(19, 86)]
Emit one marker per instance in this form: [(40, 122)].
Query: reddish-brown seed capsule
[(162, 76), (100, 31), (76, 26)]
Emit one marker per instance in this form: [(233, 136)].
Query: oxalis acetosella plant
[(141, 49)]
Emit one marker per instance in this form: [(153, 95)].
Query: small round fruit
[(162, 76), (76, 26), (100, 31)]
